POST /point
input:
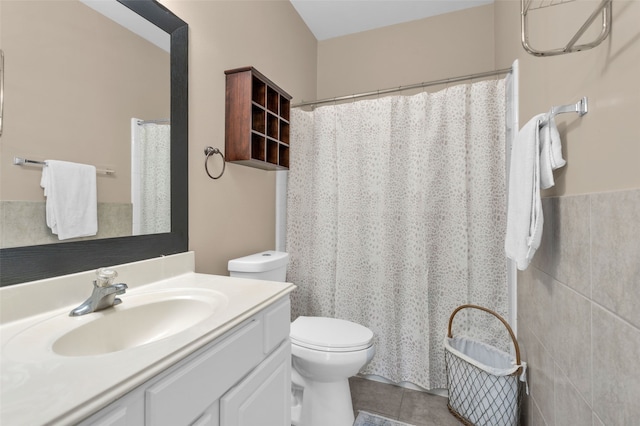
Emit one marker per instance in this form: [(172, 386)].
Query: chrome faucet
[(103, 295)]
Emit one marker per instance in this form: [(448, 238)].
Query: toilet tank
[(267, 265)]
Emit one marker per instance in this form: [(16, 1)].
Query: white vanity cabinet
[(257, 400), (241, 378)]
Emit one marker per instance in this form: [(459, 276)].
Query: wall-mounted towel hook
[(209, 151)]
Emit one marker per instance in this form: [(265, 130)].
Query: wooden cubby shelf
[(256, 120)]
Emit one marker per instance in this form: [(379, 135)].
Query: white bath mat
[(369, 419)]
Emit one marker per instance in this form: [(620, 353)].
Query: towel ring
[(209, 151)]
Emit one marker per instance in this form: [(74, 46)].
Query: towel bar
[(581, 107), (19, 161)]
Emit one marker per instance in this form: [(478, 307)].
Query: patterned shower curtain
[(151, 178), (396, 216)]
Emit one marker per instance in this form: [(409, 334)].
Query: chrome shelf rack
[(603, 10)]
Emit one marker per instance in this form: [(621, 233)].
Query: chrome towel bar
[(581, 107), (19, 161)]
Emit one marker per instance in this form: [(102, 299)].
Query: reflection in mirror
[(78, 83), (63, 107)]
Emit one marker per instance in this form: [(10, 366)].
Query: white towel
[(550, 152), (71, 193), (524, 208)]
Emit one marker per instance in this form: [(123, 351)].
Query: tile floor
[(409, 406)]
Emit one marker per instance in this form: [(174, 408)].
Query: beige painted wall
[(72, 98), (602, 149), (442, 46), (235, 215)]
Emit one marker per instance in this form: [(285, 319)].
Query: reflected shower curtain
[(151, 178), (396, 216)]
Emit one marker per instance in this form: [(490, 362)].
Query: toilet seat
[(330, 334)]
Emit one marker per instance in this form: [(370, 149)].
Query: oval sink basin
[(140, 319), (127, 328)]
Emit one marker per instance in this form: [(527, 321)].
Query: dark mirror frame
[(22, 264)]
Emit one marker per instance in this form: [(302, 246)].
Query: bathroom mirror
[(21, 264)]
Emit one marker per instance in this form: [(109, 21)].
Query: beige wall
[(602, 149), (442, 46), (235, 215), (72, 98)]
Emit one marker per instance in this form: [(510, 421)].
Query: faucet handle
[(105, 277)]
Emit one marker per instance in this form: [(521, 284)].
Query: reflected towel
[(71, 193), (524, 207)]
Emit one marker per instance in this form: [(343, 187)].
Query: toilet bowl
[(325, 352)]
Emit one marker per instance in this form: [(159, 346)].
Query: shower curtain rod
[(401, 88), (159, 121)]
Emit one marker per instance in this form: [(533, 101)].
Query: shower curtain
[(396, 216), (151, 177)]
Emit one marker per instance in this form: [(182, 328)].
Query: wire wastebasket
[(485, 384)]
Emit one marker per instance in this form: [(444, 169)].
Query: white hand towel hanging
[(550, 151), (524, 208), (71, 205)]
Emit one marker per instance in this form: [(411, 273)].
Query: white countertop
[(40, 386)]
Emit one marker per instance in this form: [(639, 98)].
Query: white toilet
[(325, 352)]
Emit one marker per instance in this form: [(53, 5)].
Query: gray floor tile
[(376, 397), (394, 402), (424, 409)]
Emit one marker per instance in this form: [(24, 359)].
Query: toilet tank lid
[(259, 262)]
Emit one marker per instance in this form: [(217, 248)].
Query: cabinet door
[(264, 396), (186, 393)]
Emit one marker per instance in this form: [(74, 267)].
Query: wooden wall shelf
[(256, 120)]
